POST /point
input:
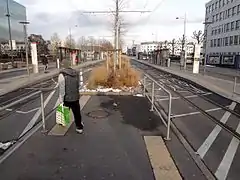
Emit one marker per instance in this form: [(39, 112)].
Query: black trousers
[(75, 107)]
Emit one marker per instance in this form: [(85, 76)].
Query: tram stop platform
[(122, 140), (218, 80)]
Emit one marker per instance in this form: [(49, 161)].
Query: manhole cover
[(98, 114)]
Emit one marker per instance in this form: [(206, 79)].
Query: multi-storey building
[(17, 13), (222, 28), (147, 47)]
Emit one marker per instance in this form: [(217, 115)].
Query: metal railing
[(40, 93), (152, 98), (235, 86)]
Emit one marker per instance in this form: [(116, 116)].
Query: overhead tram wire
[(156, 8), (149, 15)]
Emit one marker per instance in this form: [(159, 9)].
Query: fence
[(152, 98), (40, 93)]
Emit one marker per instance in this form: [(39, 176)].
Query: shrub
[(126, 76)]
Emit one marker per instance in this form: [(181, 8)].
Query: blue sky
[(161, 24)]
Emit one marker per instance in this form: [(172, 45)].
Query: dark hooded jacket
[(71, 77)]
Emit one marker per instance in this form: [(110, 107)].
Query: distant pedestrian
[(68, 80), (45, 62)]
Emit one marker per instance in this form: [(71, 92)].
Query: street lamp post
[(70, 36), (207, 23), (184, 40), (9, 29), (25, 23)]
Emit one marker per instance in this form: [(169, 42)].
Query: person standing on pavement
[(45, 62), (68, 81)]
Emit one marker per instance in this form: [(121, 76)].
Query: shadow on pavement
[(135, 113)]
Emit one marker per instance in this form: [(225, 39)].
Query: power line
[(107, 12)]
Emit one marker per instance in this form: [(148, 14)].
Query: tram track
[(210, 132)]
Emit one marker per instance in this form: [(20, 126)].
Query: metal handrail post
[(169, 117), (43, 114), (234, 85), (144, 86), (152, 107)]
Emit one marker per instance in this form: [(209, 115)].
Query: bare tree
[(181, 42), (70, 42), (81, 42), (174, 46), (198, 36), (55, 43)]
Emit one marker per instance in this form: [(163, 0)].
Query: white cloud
[(49, 16)]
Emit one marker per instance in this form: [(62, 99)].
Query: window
[(226, 14), (215, 32), (220, 16), (235, 40), (211, 45), (228, 27), (213, 18), (218, 42), (212, 32), (216, 5), (229, 12), (219, 30), (231, 41), (232, 26), (237, 24), (238, 9), (220, 3), (223, 3), (226, 41), (214, 42), (234, 11), (216, 17), (212, 7)]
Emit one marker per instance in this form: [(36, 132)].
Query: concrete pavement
[(119, 142), (213, 71), (14, 73)]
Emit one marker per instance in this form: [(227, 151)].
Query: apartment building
[(222, 32), (147, 47)]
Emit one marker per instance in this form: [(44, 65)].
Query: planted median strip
[(104, 80)]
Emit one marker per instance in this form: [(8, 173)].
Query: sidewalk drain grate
[(98, 114)]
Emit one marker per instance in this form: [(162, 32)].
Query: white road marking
[(213, 135), (194, 113), (227, 160), (188, 97), (182, 91), (37, 114), (24, 112), (27, 112), (163, 165)]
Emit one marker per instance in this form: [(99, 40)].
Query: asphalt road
[(217, 148), (109, 149), (21, 72), (19, 119)]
